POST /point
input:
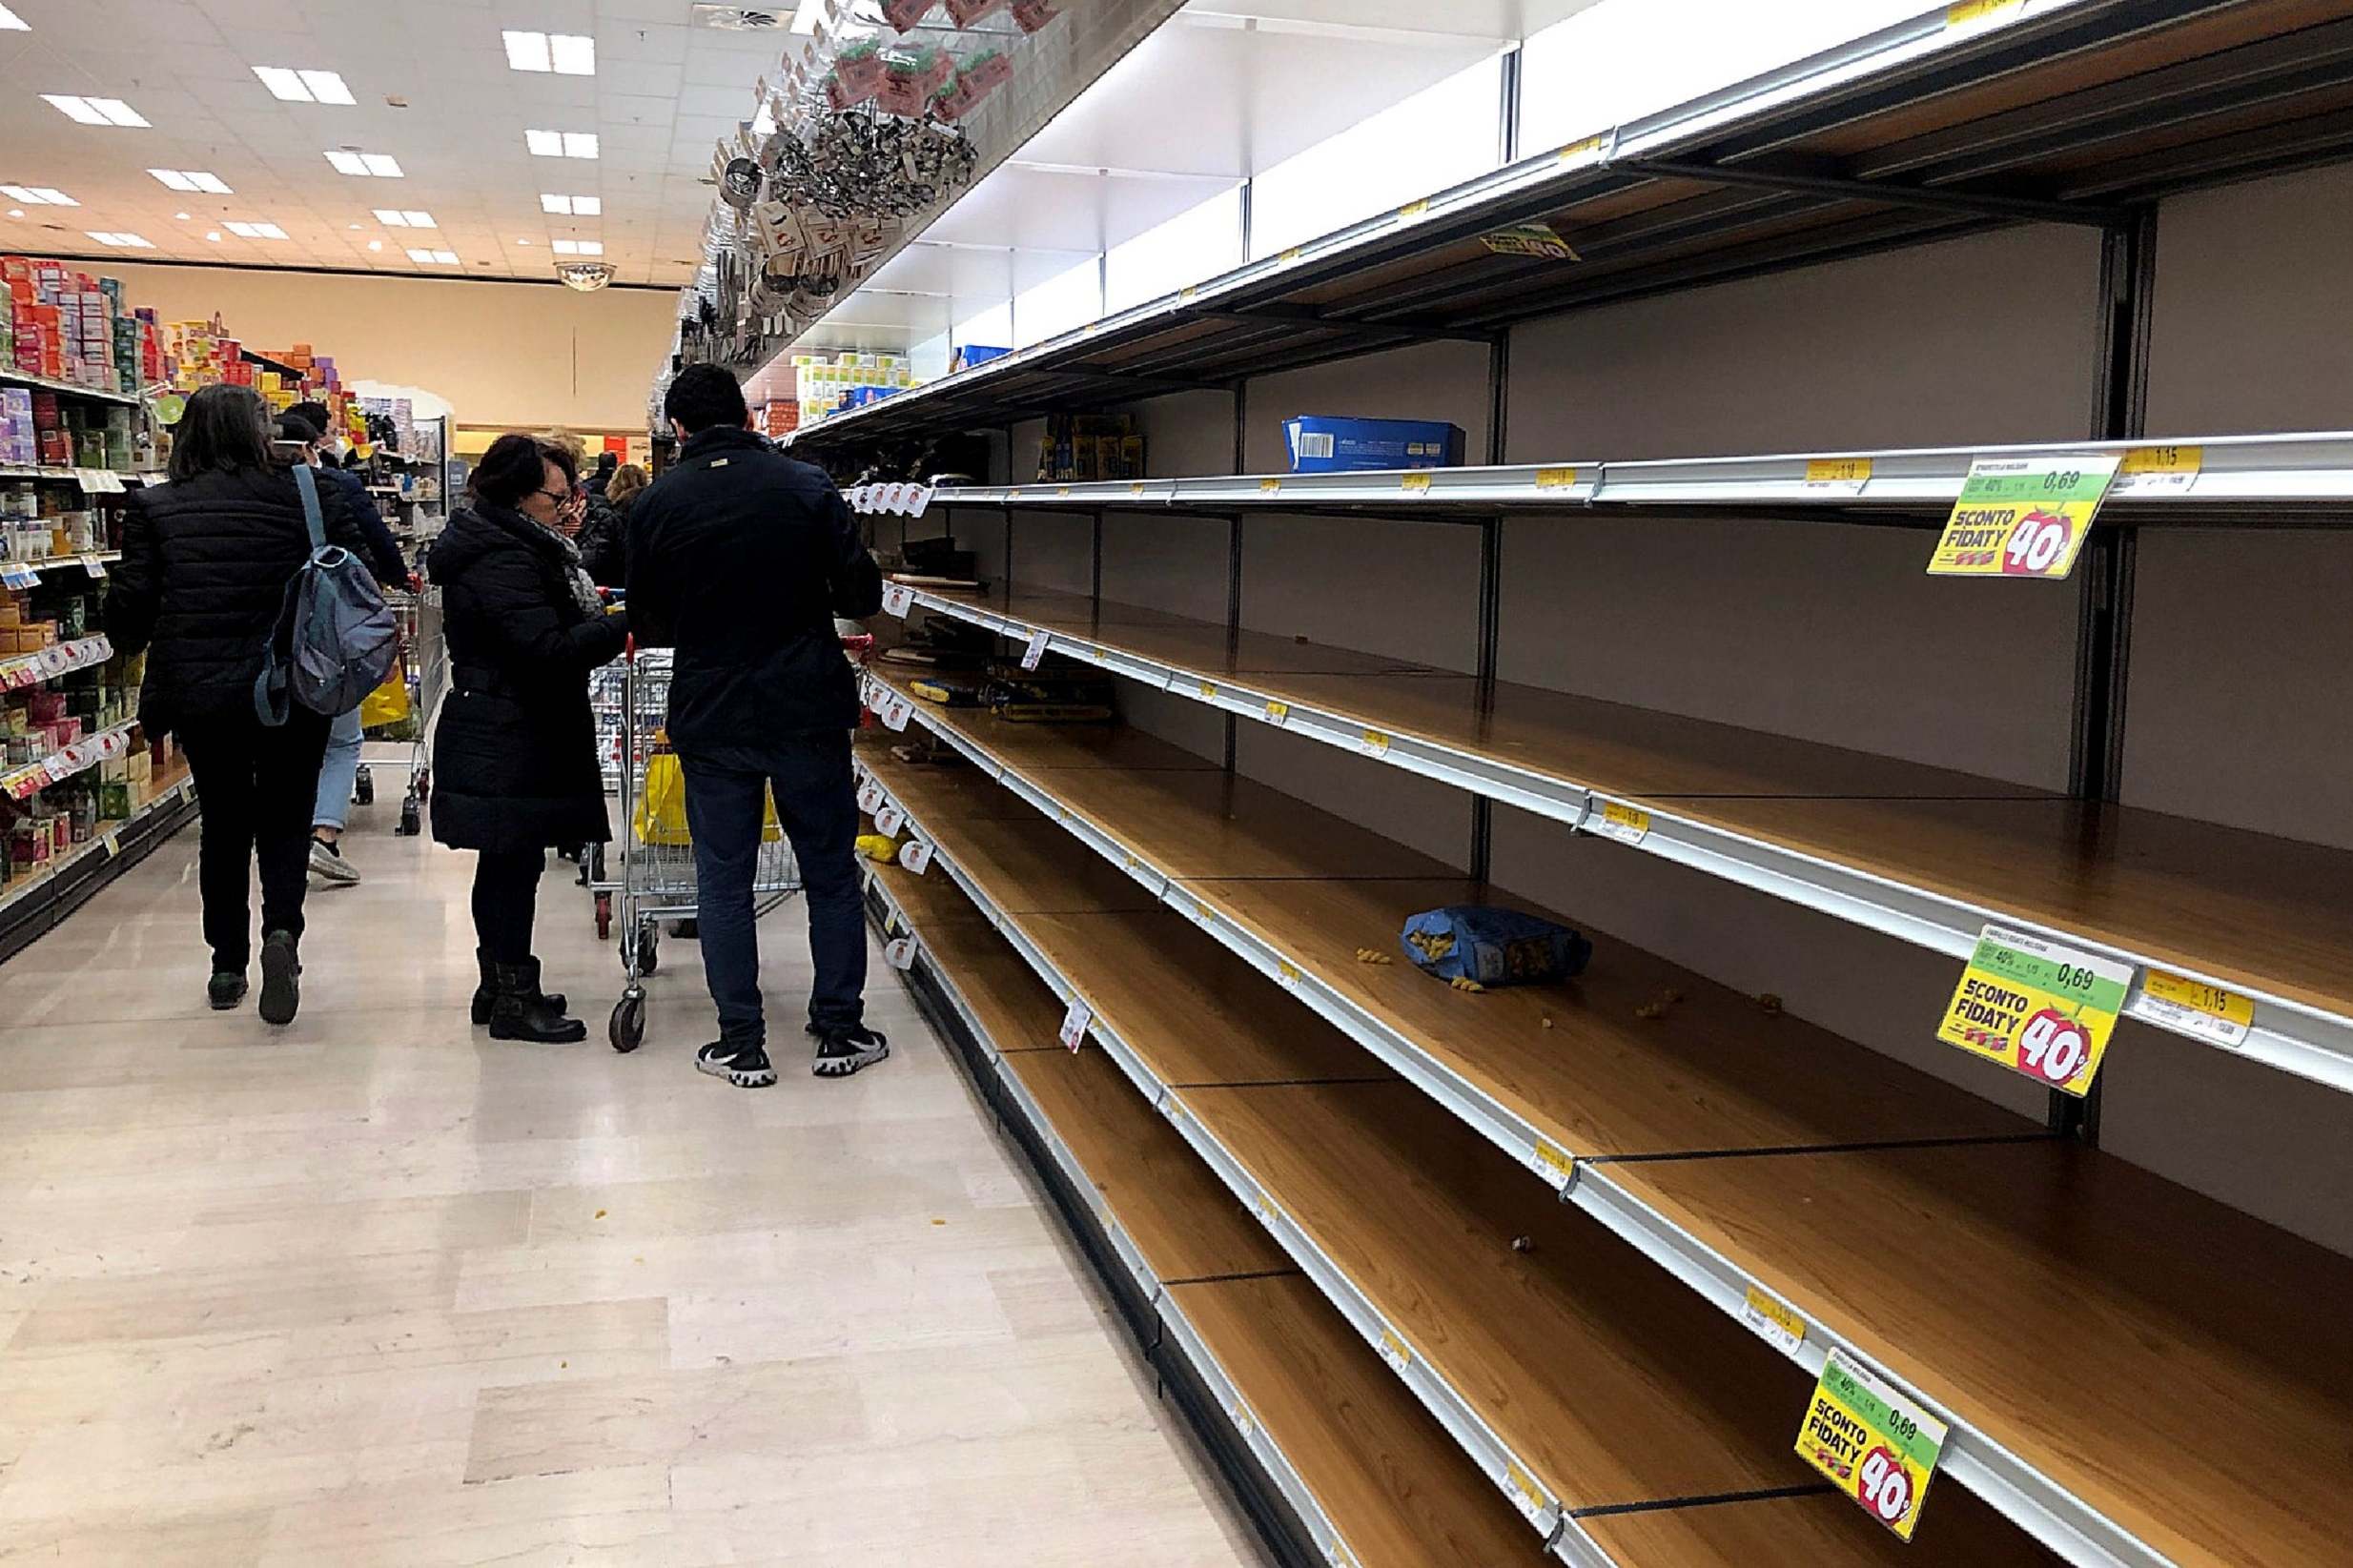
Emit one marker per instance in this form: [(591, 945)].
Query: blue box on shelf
[(1320, 444), (971, 355)]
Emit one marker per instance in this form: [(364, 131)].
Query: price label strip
[(870, 799), (2023, 517), (889, 821), (1626, 823), (2158, 471), (1772, 1322), (1036, 650), (898, 598), (901, 953), (2039, 1009), (916, 857), (2194, 1007), (1871, 1440), (1074, 1022), (1837, 475)]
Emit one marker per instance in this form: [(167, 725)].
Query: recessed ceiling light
[(38, 195), (571, 206), (94, 111), (16, 212), (124, 241), (404, 217), (213, 235), (180, 216), (579, 247), (379, 165), (303, 86), (256, 230), (565, 53), (561, 144), (376, 244), (11, 22), (435, 258), (191, 179), (523, 242)]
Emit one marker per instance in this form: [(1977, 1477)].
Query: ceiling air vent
[(734, 18)]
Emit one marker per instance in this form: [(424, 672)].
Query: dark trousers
[(506, 900), (256, 786), (817, 806)]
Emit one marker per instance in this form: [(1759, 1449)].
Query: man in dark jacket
[(740, 558)]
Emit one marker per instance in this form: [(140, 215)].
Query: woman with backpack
[(514, 769), (206, 562)]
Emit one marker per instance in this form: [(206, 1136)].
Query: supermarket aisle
[(380, 1292)]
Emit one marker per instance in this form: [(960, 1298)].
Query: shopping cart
[(657, 879), (426, 656)]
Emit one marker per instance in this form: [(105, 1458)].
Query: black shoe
[(282, 984), (746, 1067), (487, 991), (225, 989), (841, 1052), (518, 1012)]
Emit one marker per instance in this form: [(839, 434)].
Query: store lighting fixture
[(579, 247), (256, 230), (587, 276), (121, 241), (179, 217), (213, 235), (16, 212), (561, 144), (571, 206), (408, 217), (434, 259), (565, 53), (11, 22), (305, 87), (38, 195), (191, 179), (94, 111), (365, 164), (376, 244)]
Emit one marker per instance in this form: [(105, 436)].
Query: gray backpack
[(335, 640)]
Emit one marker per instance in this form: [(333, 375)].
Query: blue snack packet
[(1493, 946)]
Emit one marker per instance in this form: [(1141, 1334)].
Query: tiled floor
[(375, 1290)]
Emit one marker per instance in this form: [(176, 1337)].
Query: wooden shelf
[(1030, 865), (1015, 1011), (1926, 854), (1821, 1531), (2180, 1367), (1400, 1491)]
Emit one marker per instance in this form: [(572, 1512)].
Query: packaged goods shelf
[(69, 389), (1928, 855), (1636, 1122), (2270, 481), (1335, 1143), (56, 768), (1965, 116), (33, 669)]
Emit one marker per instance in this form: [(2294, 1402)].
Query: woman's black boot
[(519, 1012)]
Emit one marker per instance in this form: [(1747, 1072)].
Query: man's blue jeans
[(817, 805)]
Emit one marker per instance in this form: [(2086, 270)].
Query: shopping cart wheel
[(627, 1029), (412, 817), (604, 916), (648, 950), (363, 785)]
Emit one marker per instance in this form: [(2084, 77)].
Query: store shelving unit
[(1737, 1152), (41, 383), (38, 902)]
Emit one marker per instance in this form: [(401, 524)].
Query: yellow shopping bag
[(661, 814), (388, 703)]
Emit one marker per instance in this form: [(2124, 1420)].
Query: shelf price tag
[(898, 598), (1774, 1323), (1394, 1350), (1074, 1022), (1035, 650), (1373, 742), (1556, 479), (1963, 14), (1288, 974), (916, 857), (2039, 1009), (2193, 1008), (1869, 1439), (1417, 484), (1626, 823), (1525, 1494), (870, 798), (1279, 714), (896, 714), (1837, 475), (2023, 517), (2158, 469), (901, 953), (889, 821), (95, 565)]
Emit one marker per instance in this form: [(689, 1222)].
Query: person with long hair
[(206, 560), (515, 755)]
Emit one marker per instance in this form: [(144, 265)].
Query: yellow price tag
[(1394, 1350), (1270, 487), (1417, 484), (1626, 823), (1556, 1159), (1774, 1323), (1827, 472), (1556, 479), (2157, 470), (1879, 1447), (1414, 209), (1531, 1498), (1209, 691), (1203, 913), (1374, 744), (1064, 490), (1289, 972), (2194, 1007), (2039, 1009), (1578, 149), (1277, 713), (1189, 292), (1961, 14), (1136, 489), (1292, 255)]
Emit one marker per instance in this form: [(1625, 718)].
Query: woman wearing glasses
[(515, 770)]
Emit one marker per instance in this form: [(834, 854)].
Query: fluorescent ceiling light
[(580, 144), (527, 52), (561, 144), (579, 247), (436, 259), (191, 179), (376, 244), (94, 111), (404, 217), (256, 230), (565, 53), (571, 206), (11, 22), (123, 241), (38, 195), (379, 165), (305, 87)]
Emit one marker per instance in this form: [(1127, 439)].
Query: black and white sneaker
[(842, 1052), (328, 864), (746, 1067)]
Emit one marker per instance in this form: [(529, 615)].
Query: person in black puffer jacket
[(206, 562), (514, 767)]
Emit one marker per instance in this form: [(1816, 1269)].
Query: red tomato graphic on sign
[(2036, 544), (2053, 1046), (1884, 1486)]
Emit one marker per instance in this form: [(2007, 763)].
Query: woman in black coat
[(206, 562), (514, 767)]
